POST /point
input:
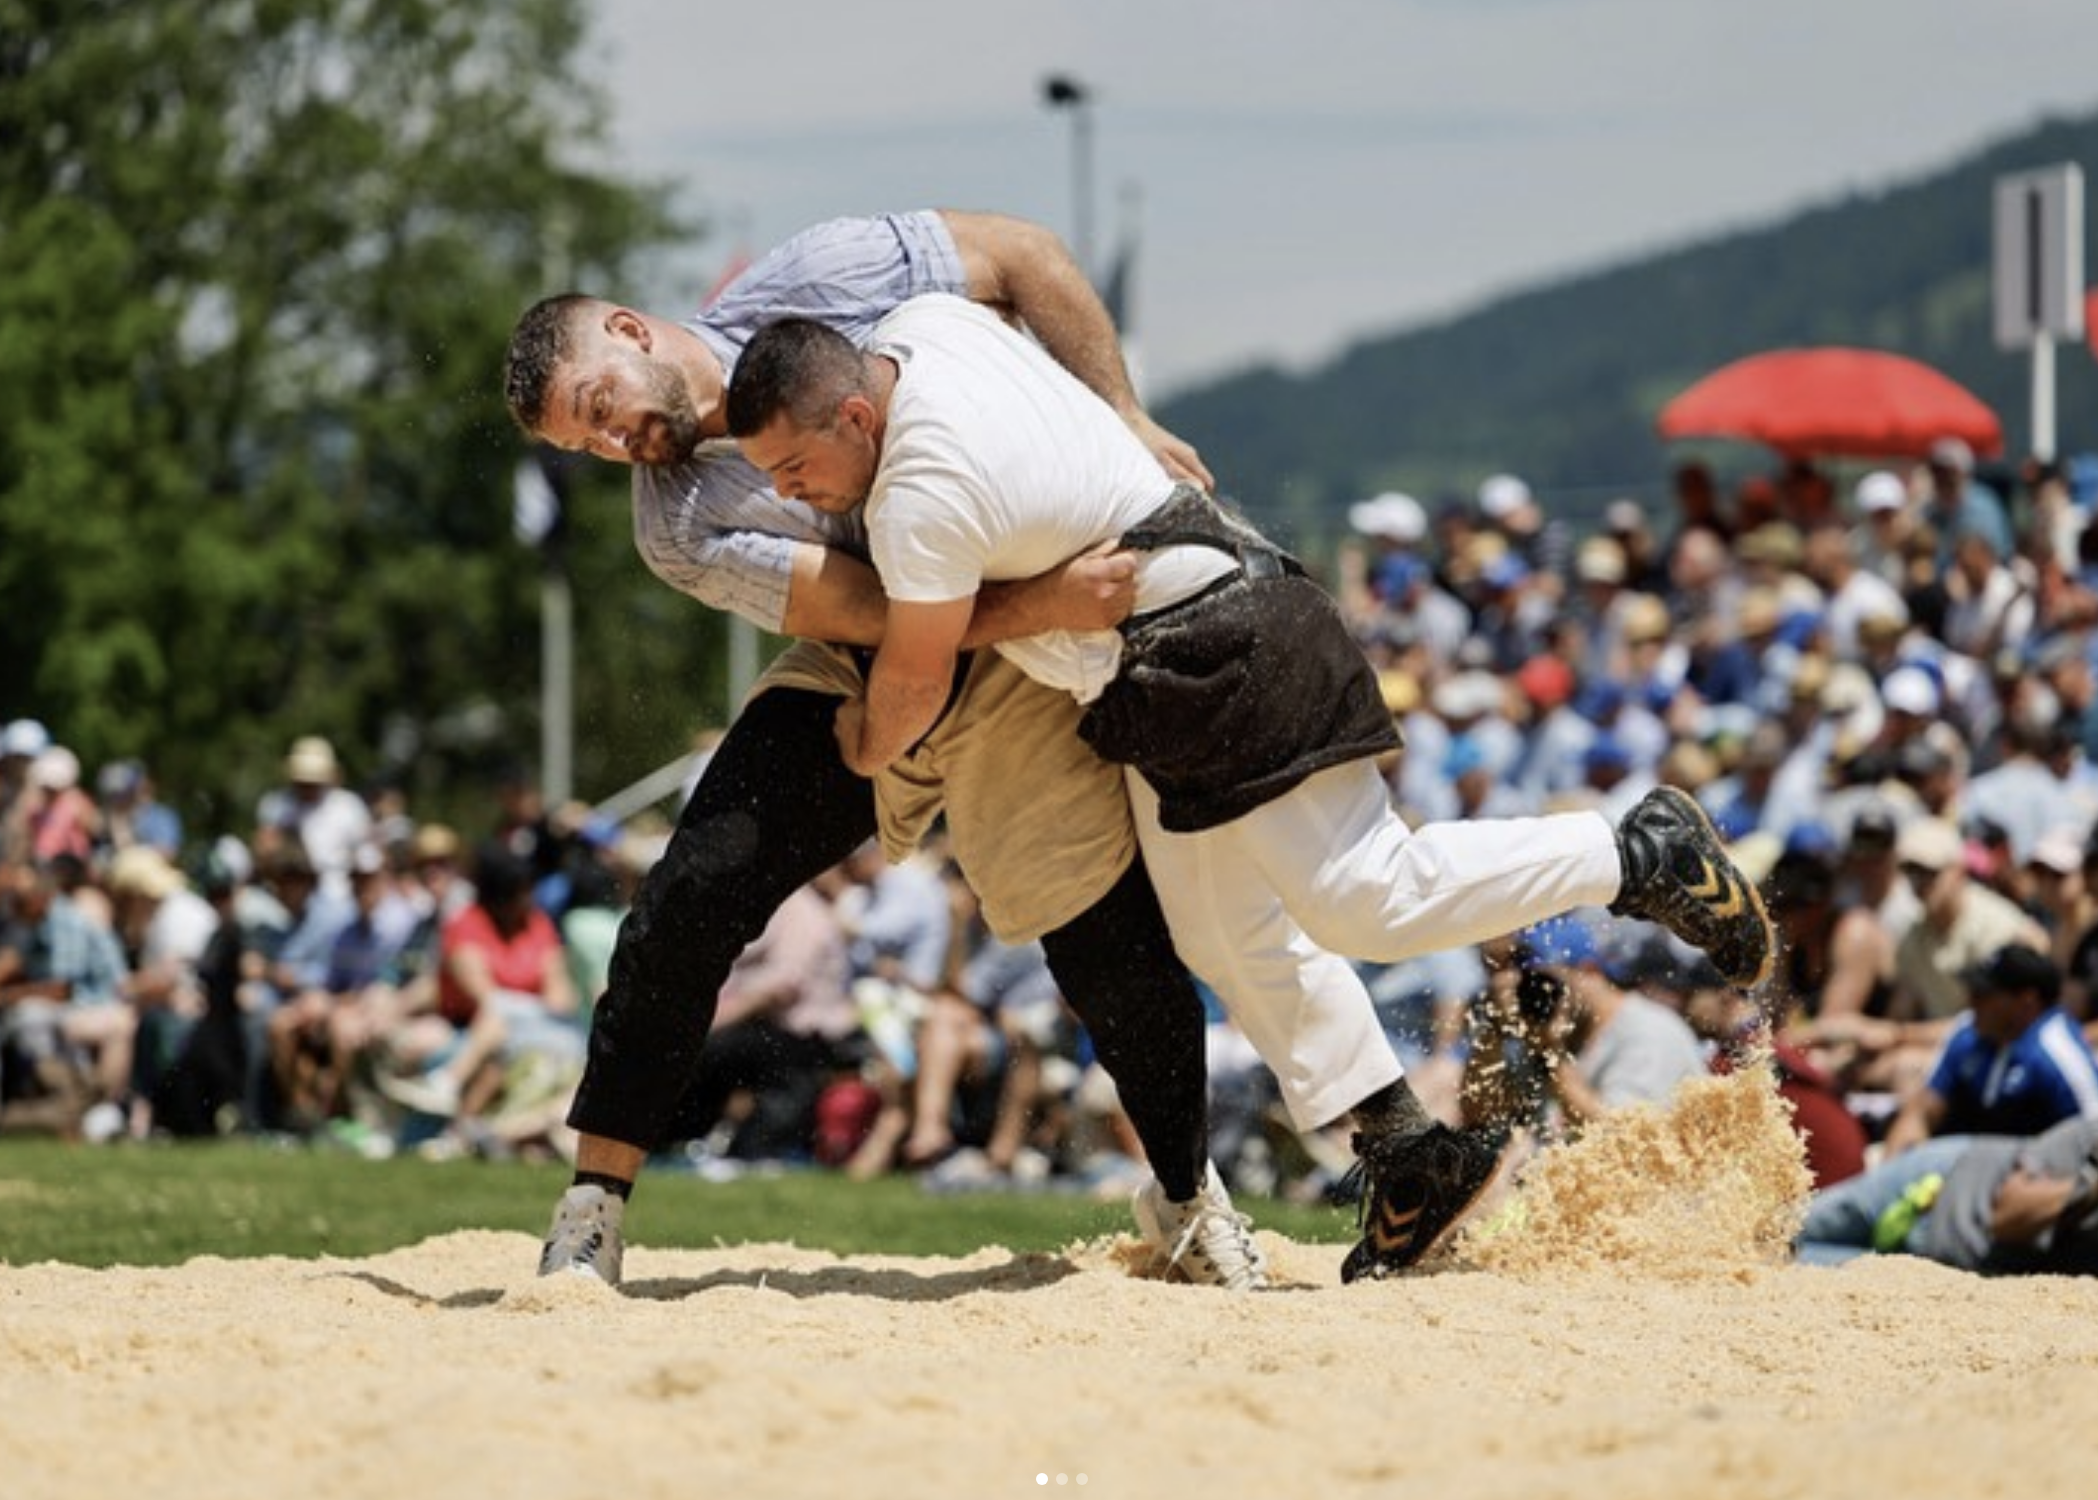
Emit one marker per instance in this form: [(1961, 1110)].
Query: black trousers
[(784, 1073), (774, 808)]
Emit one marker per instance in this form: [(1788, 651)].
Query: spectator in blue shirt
[(2014, 1064), (61, 989)]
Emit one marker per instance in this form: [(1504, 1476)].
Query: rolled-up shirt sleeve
[(712, 527), (744, 572)]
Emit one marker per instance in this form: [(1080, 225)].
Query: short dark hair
[(543, 338), (500, 874), (2014, 969), (794, 366)]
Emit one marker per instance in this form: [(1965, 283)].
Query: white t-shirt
[(998, 464)]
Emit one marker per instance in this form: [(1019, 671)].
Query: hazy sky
[(1305, 175)]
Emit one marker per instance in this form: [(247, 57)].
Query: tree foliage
[(258, 262)]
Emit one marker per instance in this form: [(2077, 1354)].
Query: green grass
[(162, 1205)]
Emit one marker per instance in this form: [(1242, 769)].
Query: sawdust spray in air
[(1711, 1184)]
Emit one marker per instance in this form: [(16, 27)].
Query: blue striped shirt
[(711, 526)]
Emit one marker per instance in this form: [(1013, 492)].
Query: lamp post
[(1061, 91)]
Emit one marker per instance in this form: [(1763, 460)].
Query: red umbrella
[(1833, 402)]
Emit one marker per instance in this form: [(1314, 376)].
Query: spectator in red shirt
[(503, 993)]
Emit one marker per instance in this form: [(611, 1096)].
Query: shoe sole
[(1692, 809), (1377, 1270), (575, 1268)]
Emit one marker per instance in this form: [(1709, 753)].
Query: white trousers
[(1261, 907)]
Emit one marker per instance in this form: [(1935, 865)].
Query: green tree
[(258, 261)]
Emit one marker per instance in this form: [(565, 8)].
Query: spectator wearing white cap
[(1913, 698), (313, 808), (1390, 593), (1886, 514), (1962, 923), (2050, 885), (1468, 704), (1545, 545), (59, 818), (21, 741), (1389, 531)]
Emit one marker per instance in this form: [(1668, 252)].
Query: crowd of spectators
[(321, 973), (344, 973), (1881, 692), (1881, 689)]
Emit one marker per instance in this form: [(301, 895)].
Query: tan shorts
[(1038, 823)]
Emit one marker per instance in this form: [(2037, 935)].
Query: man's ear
[(628, 326), (858, 413)]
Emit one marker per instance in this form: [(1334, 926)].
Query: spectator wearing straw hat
[(316, 811)]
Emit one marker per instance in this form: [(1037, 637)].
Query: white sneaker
[(585, 1238), (434, 1094), (1205, 1240)]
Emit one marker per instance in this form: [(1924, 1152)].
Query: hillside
[(1561, 383)]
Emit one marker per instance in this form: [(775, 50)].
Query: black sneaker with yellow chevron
[(1415, 1189), (1677, 873)]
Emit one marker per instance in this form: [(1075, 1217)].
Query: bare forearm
[(1094, 591), (1024, 270), (1580, 1104), (1007, 612), (1917, 1121), (834, 597), (837, 598), (2026, 1206), (900, 709)]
